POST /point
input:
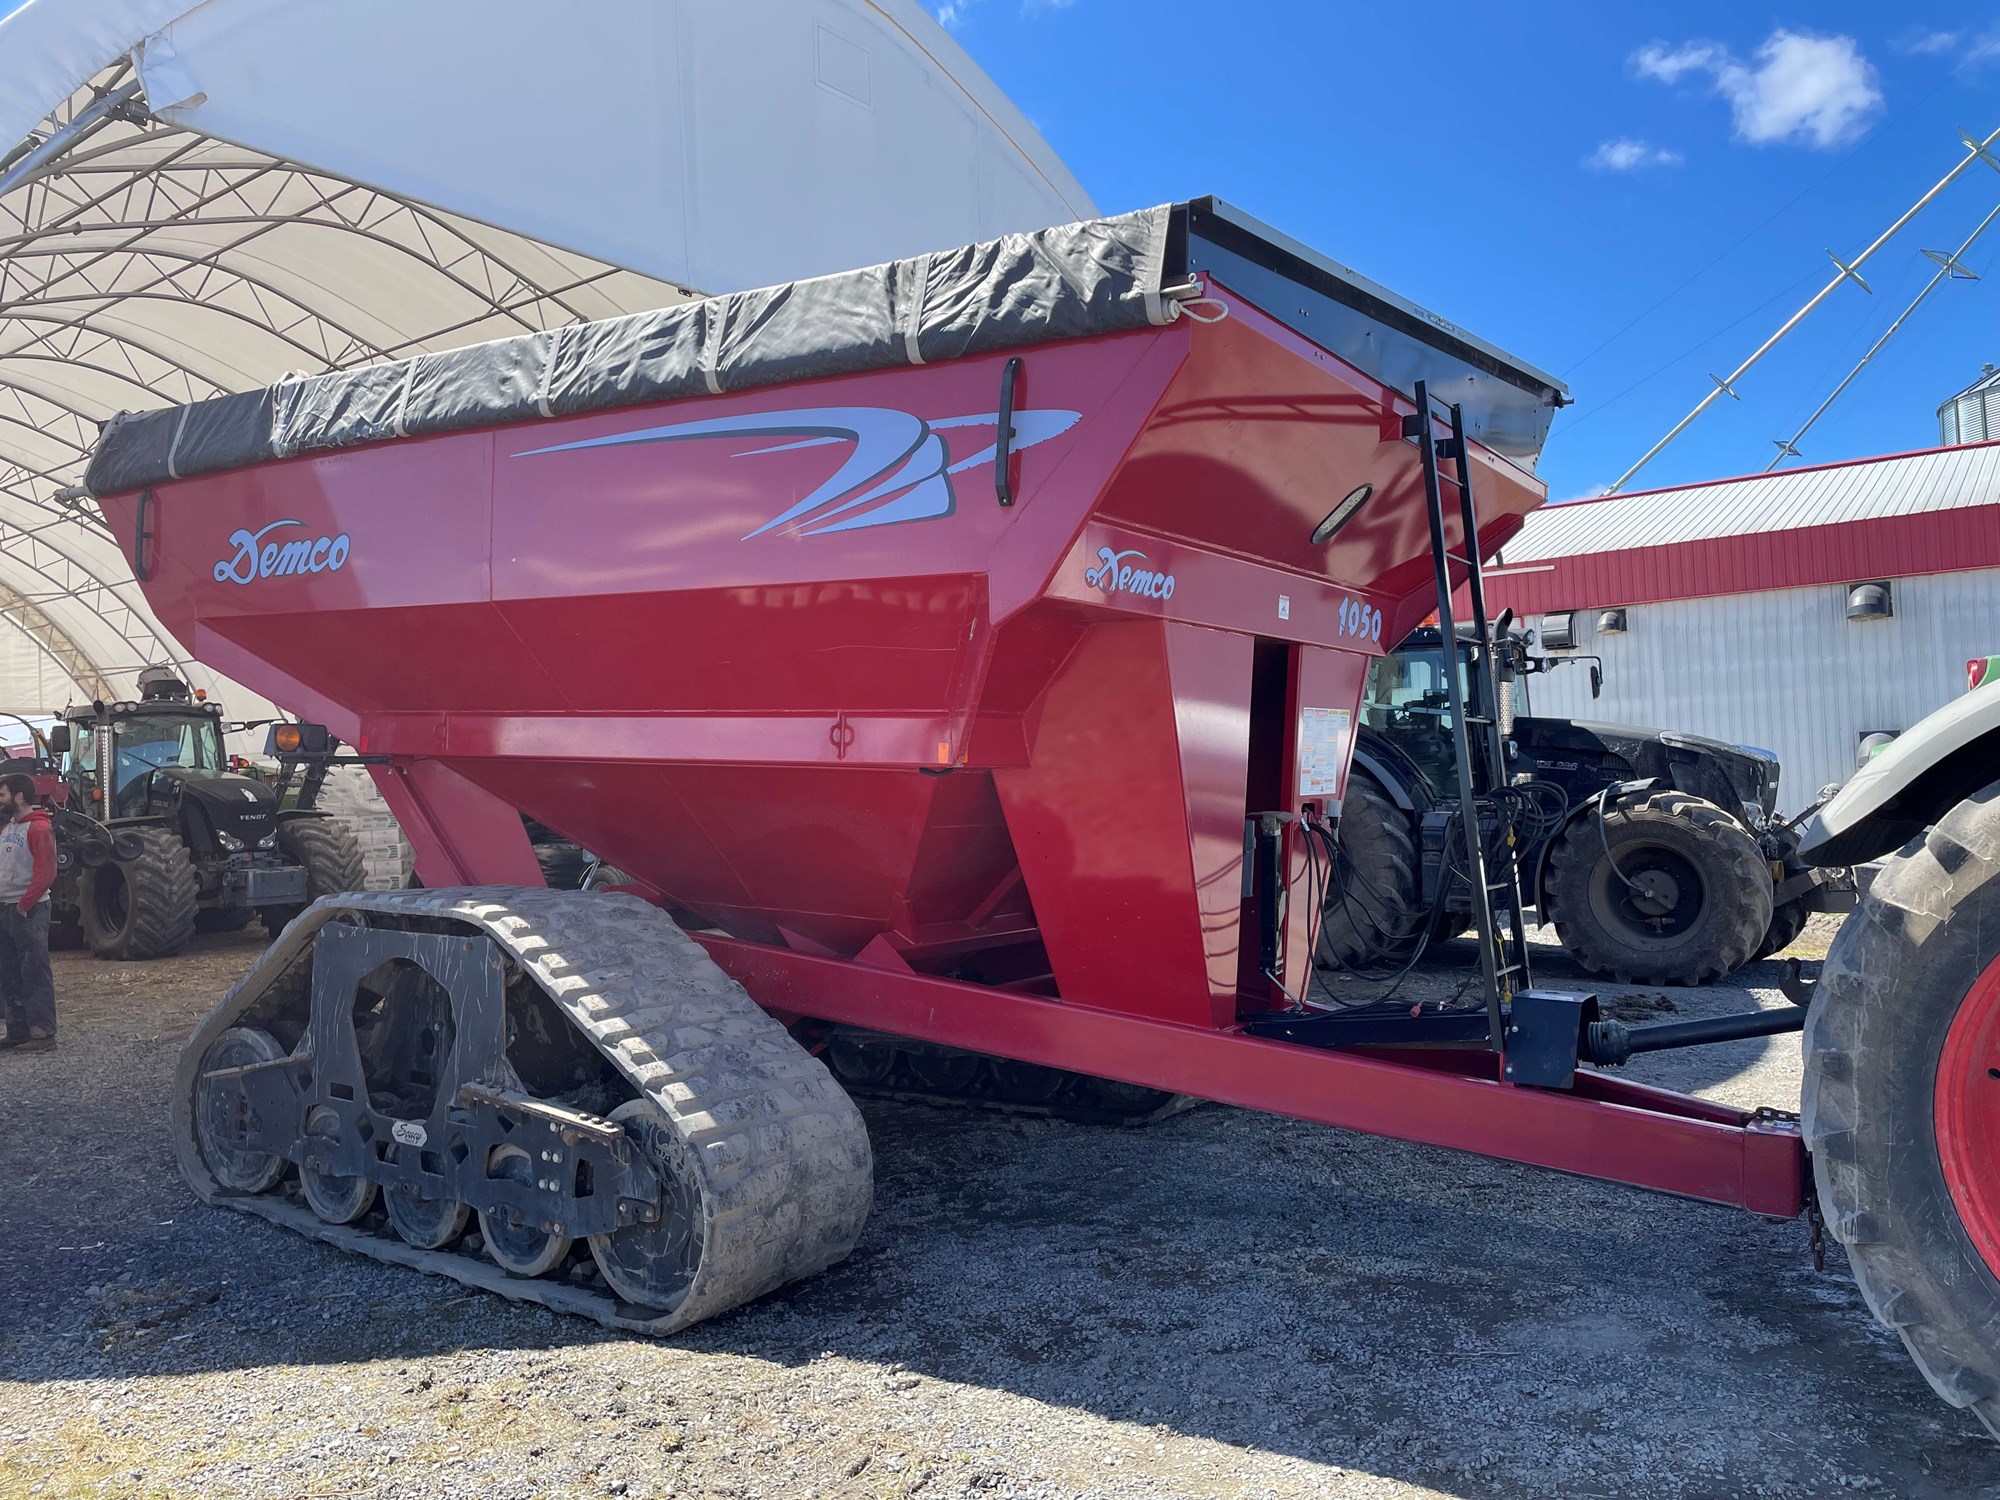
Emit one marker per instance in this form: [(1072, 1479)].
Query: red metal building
[(1806, 612)]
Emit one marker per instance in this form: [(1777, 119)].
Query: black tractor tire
[(1372, 914), (563, 864), (1719, 882), (224, 918), (1787, 922), (1915, 957), (144, 907), (332, 862)]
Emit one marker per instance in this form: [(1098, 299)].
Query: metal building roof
[(1905, 484)]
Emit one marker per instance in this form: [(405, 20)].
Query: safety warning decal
[(1324, 735)]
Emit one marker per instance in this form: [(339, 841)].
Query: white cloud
[(1627, 155), (952, 14), (1816, 90), (1980, 49), (1928, 43)]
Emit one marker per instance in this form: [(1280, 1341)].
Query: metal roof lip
[(1836, 463)]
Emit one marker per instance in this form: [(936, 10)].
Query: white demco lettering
[(1115, 574), (252, 557)]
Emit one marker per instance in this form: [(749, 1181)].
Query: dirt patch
[(1226, 1304)]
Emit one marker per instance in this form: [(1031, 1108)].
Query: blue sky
[(1629, 201)]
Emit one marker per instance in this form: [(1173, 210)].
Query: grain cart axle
[(1020, 601)]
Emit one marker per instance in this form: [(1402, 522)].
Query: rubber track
[(781, 1151)]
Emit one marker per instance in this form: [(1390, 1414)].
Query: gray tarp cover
[(1102, 276)]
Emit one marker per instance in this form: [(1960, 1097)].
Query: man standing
[(27, 870)]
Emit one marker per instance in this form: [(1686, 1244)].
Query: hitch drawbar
[(1548, 1032), (1611, 1043)]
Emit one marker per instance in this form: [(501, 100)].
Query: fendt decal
[(899, 469), (255, 558), (1123, 573)]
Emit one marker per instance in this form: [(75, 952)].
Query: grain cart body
[(939, 644)]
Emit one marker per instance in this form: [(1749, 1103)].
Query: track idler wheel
[(237, 1169), (515, 1246), (335, 1199), (654, 1264)]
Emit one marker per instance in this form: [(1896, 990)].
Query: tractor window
[(1408, 703), (147, 742), (1405, 684)]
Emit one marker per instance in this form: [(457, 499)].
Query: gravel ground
[(1226, 1304)]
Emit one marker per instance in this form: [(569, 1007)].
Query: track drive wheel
[(1372, 915), (332, 862), (522, 1249), (653, 1265), (1689, 900), (144, 907), (1902, 1100)]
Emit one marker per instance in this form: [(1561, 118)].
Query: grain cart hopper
[(960, 657)]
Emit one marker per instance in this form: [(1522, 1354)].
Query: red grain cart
[(960, 656)]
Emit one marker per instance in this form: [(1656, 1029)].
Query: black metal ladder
[(1477, 733)]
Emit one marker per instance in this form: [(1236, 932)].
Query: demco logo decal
[(894, 466), (255, 558), (1124, 573)]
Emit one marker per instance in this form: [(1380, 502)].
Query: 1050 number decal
[(1358, 619)]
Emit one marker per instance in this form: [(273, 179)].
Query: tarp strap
[(1153, 273), (913, 324), (403, 398), (548, 374), (174, 448), (710, 349)]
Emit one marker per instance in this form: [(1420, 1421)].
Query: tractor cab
[(1408, 698), (135, 760)]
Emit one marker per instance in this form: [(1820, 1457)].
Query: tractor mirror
[(58, 739), (1596, 680)]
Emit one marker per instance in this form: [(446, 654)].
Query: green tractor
[(1658, 856), (156, 840)]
